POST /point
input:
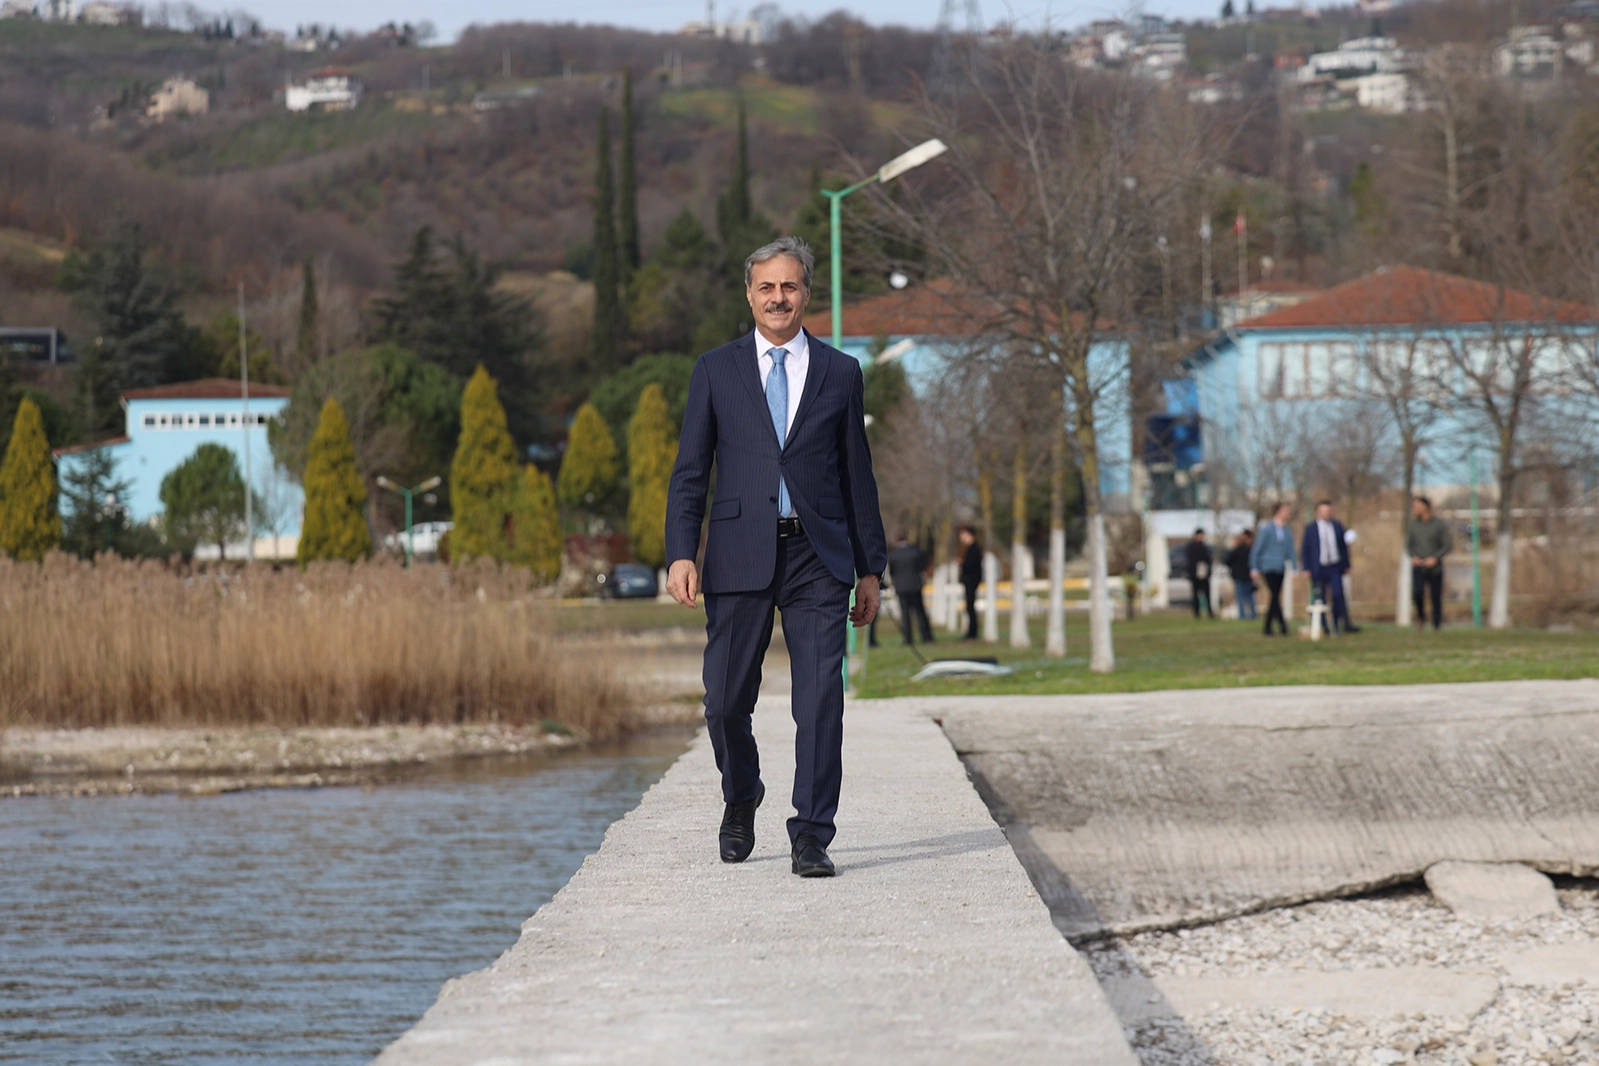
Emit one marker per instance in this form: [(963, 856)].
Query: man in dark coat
[(971, 575), (907, 567), (1198, 562)]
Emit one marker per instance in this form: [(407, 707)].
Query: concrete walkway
[(931, 946)]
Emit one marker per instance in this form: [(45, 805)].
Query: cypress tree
[(29, 523), (589, 470), (629, 200), (651, 454), (536, 524), (483, 474), (607, 276), (335, 495), (305, 343)]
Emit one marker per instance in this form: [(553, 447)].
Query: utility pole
[(1241, 228), (244, 394), (1204, 270)]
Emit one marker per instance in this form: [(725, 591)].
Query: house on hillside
[(163, 427), (18, 9), (1257, 397), (924, 325), (177, 96), (328, 89)]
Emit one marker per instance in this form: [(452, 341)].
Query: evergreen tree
[(29, 524), (618, 396), (306, 348), (142, 335), (484, 474), (536, 525), (652, 451), (742, 230), (608, 326), (203, 497), (676, 290), (589, 468), (629, 199), (96, 518), (735, 208), (335, 496)]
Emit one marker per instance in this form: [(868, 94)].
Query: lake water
[(305, 925)]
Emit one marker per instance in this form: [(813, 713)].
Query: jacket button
[(782, 462)]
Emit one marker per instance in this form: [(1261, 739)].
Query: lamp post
[(922, 153), (410, 535)]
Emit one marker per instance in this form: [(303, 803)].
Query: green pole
[(410, 533), (1476, 543)]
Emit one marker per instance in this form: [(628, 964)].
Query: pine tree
[(536, 525), (607, 276), (742, 231), (305, 344), (589, 469), (651, 451), (734, 208), (629, 199), (29, 524), (335, 496), (97, 499), (484, 474)]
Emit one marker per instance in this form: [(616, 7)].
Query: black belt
[(788, 527)]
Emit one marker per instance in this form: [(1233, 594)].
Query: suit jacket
[(1274, 550), (1310, 548), (825, 460)]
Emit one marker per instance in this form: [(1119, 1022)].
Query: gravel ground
[(1524, 1024)]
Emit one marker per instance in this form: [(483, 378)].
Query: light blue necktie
[(777, 404)]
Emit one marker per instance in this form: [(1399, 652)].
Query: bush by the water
[(117, 642)]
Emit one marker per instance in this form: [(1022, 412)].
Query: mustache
[(778, 307)]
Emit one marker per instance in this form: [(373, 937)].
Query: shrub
[(652, 451), (334, 526), (484, 474), (29, 523)]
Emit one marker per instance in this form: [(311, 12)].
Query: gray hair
[(792, 247)]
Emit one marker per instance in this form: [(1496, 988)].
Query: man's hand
[(1255, 574), (1429, 562), (1415, 560), (868, 597), (683, 582)]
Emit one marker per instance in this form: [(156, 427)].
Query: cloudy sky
[(451, 18)]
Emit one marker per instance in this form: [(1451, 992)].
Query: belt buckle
[(788, 527)]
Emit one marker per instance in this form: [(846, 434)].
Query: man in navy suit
[(1326, 554), (794, 526)]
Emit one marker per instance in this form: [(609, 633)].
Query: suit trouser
[(912, 609), (1331, 583), (1424, 580), (1274, 610), (971, 612), (815, 607)]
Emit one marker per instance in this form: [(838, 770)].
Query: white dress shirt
[(795, 363), (1329, 543)]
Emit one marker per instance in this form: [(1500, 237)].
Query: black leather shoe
[(1350, 627), (810, 858), (737, 838)]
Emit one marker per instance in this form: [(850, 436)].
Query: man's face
[(1282, 515), (966, 538), (1420, 510), (777, 296), (1323, 512)]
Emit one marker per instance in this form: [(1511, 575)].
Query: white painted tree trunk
[(1402, 614), (1055, 639), (1288, 597), (991, 597), (1101, 652), (1499, 607), (1019, 637)]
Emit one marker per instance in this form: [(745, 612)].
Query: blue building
[(924, 326), (1254, 398), (164, 426)]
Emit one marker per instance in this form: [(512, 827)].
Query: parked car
[(427, 534), (628, 581)]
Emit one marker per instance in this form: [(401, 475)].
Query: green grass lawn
[(1171, 650), (624, 616)]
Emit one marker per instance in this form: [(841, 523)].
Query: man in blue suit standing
[(794, 526), (1326, 554)]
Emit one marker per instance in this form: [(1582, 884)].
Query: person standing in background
[(1427, 541), (1198, 561), (1326, 555), (1243, 583), (907, 567), (1270, 558), (971, 575)]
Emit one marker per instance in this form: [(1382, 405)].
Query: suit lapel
[(821, 357), (749, 372)]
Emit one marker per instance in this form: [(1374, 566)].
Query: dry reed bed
[(118, 643)]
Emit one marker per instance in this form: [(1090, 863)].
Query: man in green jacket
[(1427, 541)]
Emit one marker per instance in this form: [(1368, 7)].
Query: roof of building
[(1410, 296), (930, 309), (73, 449), (206, 389), (1275, 285)]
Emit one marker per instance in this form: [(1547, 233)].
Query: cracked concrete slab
[(931, 947), (1492, 890), (1158, 809)]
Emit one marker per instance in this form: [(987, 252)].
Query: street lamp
[(922, 153), (410, 535)]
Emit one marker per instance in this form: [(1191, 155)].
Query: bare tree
[(1048, 228)]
